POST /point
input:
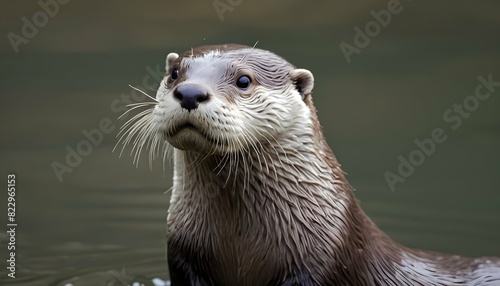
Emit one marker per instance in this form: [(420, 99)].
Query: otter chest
[(230, 243)]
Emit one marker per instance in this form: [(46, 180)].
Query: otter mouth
[(181, 127), (187, 125), (190, 128)]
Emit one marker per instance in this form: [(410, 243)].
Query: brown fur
[(279, 211)]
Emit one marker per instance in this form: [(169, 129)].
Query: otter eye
[(175, 74), (243, 82)]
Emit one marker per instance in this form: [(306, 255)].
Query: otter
[(258, 197)]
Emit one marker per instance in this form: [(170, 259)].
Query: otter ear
[(170, 60), (303, 81)]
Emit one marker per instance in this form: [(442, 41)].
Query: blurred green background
[(104, 223)]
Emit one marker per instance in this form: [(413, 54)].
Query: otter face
[(228, 98)]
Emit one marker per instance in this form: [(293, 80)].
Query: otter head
[(224, 99)]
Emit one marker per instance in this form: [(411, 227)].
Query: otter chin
[(258, 197), (188, 137)]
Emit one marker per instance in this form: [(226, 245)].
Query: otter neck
[(295, 161), (289, 181)]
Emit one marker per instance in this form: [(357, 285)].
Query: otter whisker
[(169, 190), (233, 163), (143, 138), (272, 146), (244, 57), (143, 93), (223, 161), (221, 164), (130, 128), (135, 106), (253, 143), (125, 128), (140, 131), (139, 128), (244, 155), (236, 169), (154, 148), (167, 152), (196, 162), (277, 143)]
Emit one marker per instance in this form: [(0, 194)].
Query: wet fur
[(259, 198)]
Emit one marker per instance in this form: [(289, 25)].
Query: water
[(104, 224)]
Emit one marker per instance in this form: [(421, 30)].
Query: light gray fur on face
[(233, 119), (271, 113)]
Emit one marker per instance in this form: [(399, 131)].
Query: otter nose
[(190, 95)]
